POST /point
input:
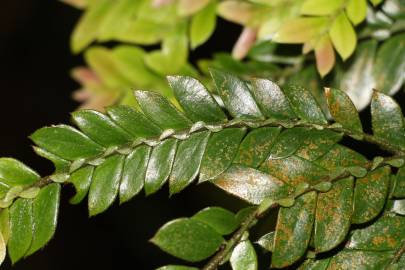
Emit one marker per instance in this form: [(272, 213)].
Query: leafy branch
[(266, 145)]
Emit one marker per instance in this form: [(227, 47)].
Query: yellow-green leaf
[(343, 36)]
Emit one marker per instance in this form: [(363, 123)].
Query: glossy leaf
[(398, 207), (160, 111), (320, 7), (87, 28), (294, 170), (5, 224), (188, 160), (188, 239), (160, 165), (21, 221), (66, 142), (399, 188), (100, 128), (357, 80), (267, 241), (134, 171), (196, 101), (221, 149), (59, 163), (244, 257), (369, 195), (390, 65), (176, 267), (316, 143), (81, 179), (387, 119), (104, 187), (235, 95), (315, 264), (203, 24), (300, 30), (45, 214), (256, 146), (14, 172), (333, 214), (251, 185), (356, 10), (351, 259), (287, 143), (343, 36), (304, 104), (343, 110), (2, 249), (135, 123), (385, 234), (271, 99), (293, 231), (220, 219)]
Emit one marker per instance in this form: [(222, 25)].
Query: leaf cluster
[(272, 147)]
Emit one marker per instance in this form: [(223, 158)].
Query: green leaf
[(370, 194), (357, 171), (333, 214), (385, 234), (357, 79), (356, 10), (176, 267), (340, 156), (294, 170), (188, 239), (221, 149), (235, 95), (271, 99), (88, 26), (358, 259), (134, 122), (45, 215), (161, 111), (196, 101), (220, 219), (399, 188), (293, 231), (66, 142), (160, 165), (375, 2), (104, 187), (387, 119), (100, 128), (188, 160), (319, 264), (251, 185), (343, 36), (133, 174), (244, 257), (14, 172), (81, 179), (287, 143), (5, 224), (320, 7), (316, 143), (389, 65), (256, 146), (300, 30), (2, 249), (117, 19), (343, 110), (59, 163), (21, 229), (304, 104), (203, 24), (267, 241)]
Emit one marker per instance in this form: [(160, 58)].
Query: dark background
[(35, 90)]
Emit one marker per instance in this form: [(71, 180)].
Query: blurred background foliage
[(354, 45)]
